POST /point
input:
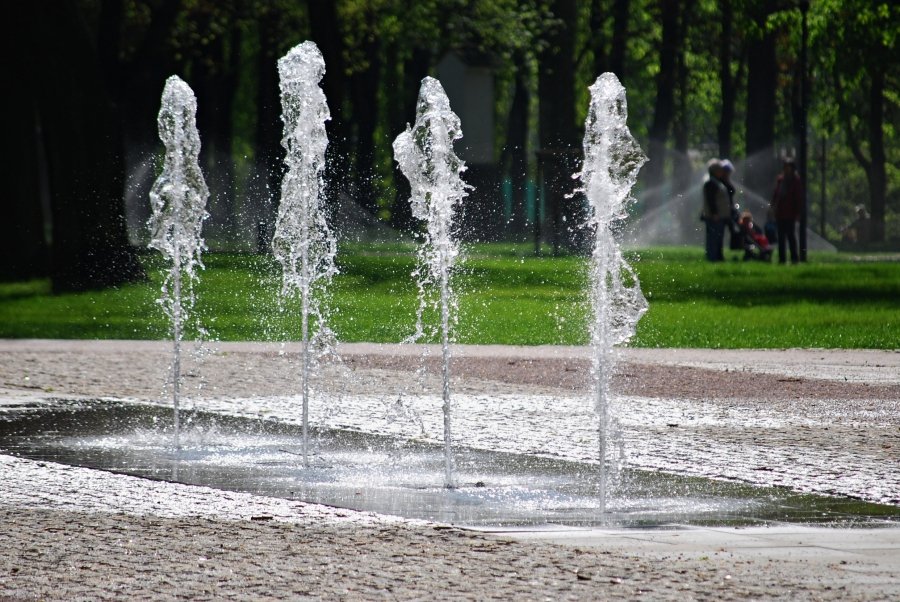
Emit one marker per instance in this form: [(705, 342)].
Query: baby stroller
[(756, 244)]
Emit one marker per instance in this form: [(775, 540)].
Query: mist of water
[(612, 159), (303, 242), (425, 155), (178, 202)]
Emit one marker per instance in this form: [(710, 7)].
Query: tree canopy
[(704, 79)]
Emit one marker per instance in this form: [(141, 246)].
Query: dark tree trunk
[(517, 150), (215, 76), (325, 32), (228, 85), (682, 163), (415, 68), (876, 173), (664, 105), (23, 245), (598, 37), (83, 143), (269, 163), (609, 53), (365, 86), (136, 85), (619, 48), (762, 80), (557, 132), (726, 79)]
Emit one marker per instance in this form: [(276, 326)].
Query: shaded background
[(704, 79)]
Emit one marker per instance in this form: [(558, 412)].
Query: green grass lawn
[(505, 297)]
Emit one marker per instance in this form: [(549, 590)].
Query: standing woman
[(716, 210), (736, 237), (787, 204)]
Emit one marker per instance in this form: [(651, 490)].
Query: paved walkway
[(72, 533)]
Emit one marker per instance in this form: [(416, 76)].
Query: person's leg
[(782, 239), (710, 252), (719, 228), (792, 239)]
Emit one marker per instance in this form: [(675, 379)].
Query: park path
[(809, 417)]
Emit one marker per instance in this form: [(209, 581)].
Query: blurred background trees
[(704, 79)]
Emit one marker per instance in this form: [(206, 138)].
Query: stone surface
[(75, 534)]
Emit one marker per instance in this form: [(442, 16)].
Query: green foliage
[(505, 297), (387, 36)]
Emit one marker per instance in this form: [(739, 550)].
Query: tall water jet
[(612, 159), (303, 242), (178, 202), (425, 155)]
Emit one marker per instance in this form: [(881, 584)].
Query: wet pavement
[(397, 476), (846, 445)]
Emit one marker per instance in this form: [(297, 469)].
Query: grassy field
[(505, 297)]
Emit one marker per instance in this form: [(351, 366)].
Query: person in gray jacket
[(716, 210)]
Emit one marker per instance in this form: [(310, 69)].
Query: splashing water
[(303, 242), (178, 201), (612, 159), (425, 155)]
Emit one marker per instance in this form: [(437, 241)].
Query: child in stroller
[(756, 245)]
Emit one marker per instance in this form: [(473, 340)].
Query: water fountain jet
[(303, 242), (178, 202), (425, 155), (612, 159)]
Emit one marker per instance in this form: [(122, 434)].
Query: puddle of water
[(400, 477)]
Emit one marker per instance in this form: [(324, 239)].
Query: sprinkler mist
[(303, 242), (178, 201), (425, 155), (612, 159)]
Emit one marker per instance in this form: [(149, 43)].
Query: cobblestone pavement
[(71, 533), (76, 534)]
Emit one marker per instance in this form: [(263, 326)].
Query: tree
[(728, 80), (682, 124), (861, 81), (557, 133), (326, 30), (212, 59), (136, 53), (82, 143), (516, 148), (609, 35), (762, 87), (664, 106), (25, 201), (365, 79)]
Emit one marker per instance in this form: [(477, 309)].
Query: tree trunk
[(85, 169), (216, 74), (619, 48), (726, 79), (682, 163), (23, 246), (609, 52), (325, 32), (516, 149), (876, 173), (664, 105), (269, 163), (415, 68), (136, 85), (762, 80), (598, 38), (557, 132), (365, 85)]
